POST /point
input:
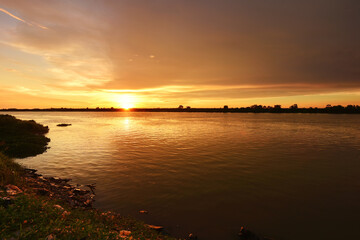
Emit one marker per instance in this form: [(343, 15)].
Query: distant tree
[(277, 106), (181, 107), (294, 106), (188, 107), (226, 107)]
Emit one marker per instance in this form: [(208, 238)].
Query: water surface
[(287, 176)]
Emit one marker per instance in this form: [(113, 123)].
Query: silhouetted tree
[(294, 106)]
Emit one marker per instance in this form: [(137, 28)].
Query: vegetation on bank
[(26, 214), (35, 217), (22, 139)]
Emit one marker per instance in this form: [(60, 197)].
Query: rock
[(58, 180), (143, 211), (88, 202), (125, 233), (30, 170), (80, 191), (12, 190), (92, 187), (63, 125), (65, 213), (192, 237), (59, 207), (50, 237), (153, 227)]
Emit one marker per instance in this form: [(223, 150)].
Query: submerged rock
[(63, 125)]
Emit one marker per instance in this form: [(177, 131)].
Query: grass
[(10, 171), (33, 217), (30, 216)]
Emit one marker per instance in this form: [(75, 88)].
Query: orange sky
[(165, 53)]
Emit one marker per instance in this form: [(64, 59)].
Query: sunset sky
[(162, 53)]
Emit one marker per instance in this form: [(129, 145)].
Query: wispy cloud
[(22, 20)]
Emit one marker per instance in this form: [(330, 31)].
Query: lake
[(285, 176)]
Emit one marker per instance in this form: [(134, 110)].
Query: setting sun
[(126, 101)]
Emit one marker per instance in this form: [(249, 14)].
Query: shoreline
[(33, 206), (68, 209), (24, 193)]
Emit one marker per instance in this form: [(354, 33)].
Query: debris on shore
[(58, 188), (157, 228)]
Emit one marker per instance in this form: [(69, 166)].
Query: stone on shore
[(12, 190), (153, 227)]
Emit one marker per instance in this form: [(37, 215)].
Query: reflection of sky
[(210, 165), (79, 54)]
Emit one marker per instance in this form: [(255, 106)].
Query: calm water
[(286, 176)]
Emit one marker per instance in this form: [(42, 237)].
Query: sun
[(126, 101)]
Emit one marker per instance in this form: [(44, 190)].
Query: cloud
[(11, 15), (22, 20), (192, 49), (10, 70)]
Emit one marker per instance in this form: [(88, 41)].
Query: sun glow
[(126, 101)]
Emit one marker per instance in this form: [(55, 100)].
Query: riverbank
[(36, 207)]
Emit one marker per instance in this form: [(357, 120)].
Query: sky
[(161, 53)]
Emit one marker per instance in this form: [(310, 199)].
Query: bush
[(22, 139)]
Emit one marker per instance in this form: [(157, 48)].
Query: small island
[(63, 125)]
